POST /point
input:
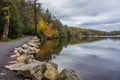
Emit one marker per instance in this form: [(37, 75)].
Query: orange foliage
[(46, 47), (45, 51), (6, 8), (48, 32)]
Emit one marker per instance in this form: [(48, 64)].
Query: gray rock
[(32, 50), (21, 51), (67, 74), (37, 76), (18, 50), (54, 65), (26, 79), (33, 45), (13, 66), (25, 58), (16, 53), (51, 73), (26, 70), (25, 46)]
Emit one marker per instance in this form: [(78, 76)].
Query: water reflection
[(50, 48), (92, 58)]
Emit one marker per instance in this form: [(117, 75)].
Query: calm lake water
[(91, 58)]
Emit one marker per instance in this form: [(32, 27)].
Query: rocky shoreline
[(32, 69)]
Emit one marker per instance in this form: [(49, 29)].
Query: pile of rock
[(30, 48), (32, 69)]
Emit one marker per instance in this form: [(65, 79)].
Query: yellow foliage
[(5, 0), (41, 26), (81, 35), (5, 8), (6, 17), (55, 33)]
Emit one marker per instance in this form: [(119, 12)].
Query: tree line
[(28, 17)]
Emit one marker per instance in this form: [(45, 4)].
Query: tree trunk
[(6, 15), (6, 30), (35, 16)]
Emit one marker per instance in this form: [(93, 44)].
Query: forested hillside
[(28, 17)]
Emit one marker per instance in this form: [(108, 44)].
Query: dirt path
[(6, 49)]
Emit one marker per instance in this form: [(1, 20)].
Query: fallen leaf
[(2, 74)]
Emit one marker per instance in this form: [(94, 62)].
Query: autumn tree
[(40, 28)]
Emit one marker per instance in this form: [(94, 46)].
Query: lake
[(91, 58)]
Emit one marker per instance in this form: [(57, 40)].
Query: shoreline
[(32, 69)]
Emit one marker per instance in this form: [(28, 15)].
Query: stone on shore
[(25, 46), (51, 73), (21, 51), (33, 45), (16, 54), (24, 58), (26, 70), (32, 50), (68, 74), (37, 76), (54, 65), (13, 66)]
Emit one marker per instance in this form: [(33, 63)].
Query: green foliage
[(81, 35), (22, 22), (1, 20), (27, 16), (48, 16), (55, 33), (15, 23)]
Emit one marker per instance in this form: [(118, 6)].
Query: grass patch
[(10, 40)]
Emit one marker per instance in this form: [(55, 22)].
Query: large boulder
[(27, 70), (25, 58), (51, 73), (33, 45), (37, 41), (21, 51), (32, 50), (35, 38), (18, 50), (13, 66), (25, 46), (37, 76), (16, 53), (54, 65), (68, 74)]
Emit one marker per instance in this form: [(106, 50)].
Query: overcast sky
[(93, 14)]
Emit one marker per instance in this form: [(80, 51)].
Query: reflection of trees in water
[(114, 38), (50, 48)]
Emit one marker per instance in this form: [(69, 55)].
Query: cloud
[(106, 21), (93, 14)]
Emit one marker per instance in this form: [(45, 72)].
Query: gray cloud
[(108, 21), (93, 14)]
